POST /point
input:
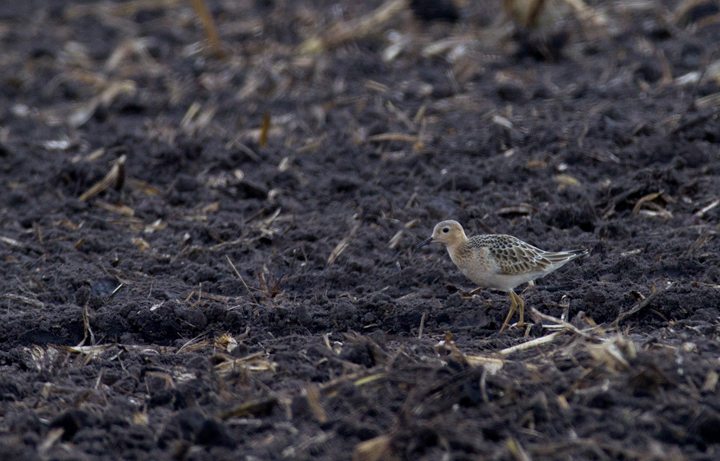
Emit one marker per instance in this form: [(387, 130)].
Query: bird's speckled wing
[(512, 255)]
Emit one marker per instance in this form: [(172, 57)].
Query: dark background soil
[(599, 145)]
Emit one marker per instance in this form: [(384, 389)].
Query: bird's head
[(449, 233)]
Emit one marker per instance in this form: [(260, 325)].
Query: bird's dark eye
[(446, 230)]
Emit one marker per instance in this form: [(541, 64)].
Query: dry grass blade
[(490, 364), (140, 418), (588, 14), (709, 285), (411, 224), (218, 298), (144, 187), (226, 342), (195, 343), (711, 380), (88, 330), (340, 247), (268, 286), (208, 23), (252, 357), (642, 304), (141, 243), (129, 48), (532, 13), (192, 345), (241, 279), (658, 212), (530, 344), (448, 346), (396, 239), (90, 350), (313, 398), (525, 13), (254, 363), (190, 114), (401, 116), (38, 234), (565, 180), (502, 121), (517, 450), (11, 242), (683, 12), (243, 148), (448, 44), (422, 325), (568, 326), (330, 388), (118, 9), (377, 449), (645, 199), (122, 210), (703, 239), (704, 210), (393, 137), (369, 379), (25, 299), (712, 100), (86, 111), (253, 408), (398, 235), (615, 353), (114, 176), (156, 226), (353, 30), (95, 155), (265, 129), (194, 120), (52, 436), (376, 86), (522, 208)]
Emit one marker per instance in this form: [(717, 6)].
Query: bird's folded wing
[(520, 259)]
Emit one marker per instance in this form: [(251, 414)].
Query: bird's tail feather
[(562, 257)]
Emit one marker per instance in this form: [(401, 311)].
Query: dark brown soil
[(117, 325)]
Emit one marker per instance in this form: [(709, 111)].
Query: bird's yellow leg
[(521, 310), (513, 306)]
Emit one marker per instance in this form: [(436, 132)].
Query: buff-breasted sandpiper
[(498, 261)]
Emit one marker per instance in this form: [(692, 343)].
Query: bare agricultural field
[(208, 229)]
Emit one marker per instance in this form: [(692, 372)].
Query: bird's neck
[(456, 251)]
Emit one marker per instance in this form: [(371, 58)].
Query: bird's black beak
[(424, 242)]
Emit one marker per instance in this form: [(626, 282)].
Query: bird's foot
[(526, 326)]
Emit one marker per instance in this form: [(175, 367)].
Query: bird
[(498, 261)]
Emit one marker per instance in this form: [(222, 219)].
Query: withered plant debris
[(358, 28), (201, 9), (115, 178)]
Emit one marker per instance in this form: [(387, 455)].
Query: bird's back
[(515, 257)]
